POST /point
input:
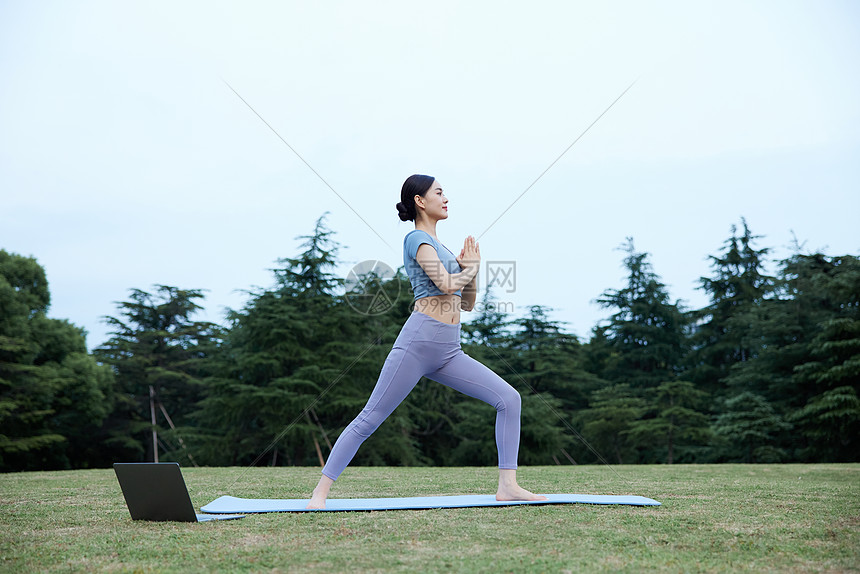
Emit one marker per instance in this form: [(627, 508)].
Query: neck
[(427, 226)]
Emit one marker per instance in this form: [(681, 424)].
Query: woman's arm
[(470, 293), (448, 283), (470, 253)]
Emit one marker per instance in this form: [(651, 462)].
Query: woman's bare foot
[(510, 490), (517, 493), (317, 501)]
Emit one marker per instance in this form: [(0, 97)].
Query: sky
[(128, 157)]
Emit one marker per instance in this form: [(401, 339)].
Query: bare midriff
[(444, 308)]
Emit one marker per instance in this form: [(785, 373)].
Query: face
[(434, 202)]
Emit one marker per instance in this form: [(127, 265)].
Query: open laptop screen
[(156, 491)]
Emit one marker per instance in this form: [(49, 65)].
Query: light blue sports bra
[(422, 285)]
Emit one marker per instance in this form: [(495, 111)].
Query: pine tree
[(809, 345), (158, 353), (736, 289), (750, 429), (827, 376), (677, 425), (607, 423), (831, 423), (643, 343), (548, 359)]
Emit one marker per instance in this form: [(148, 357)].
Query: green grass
[(738, 518)]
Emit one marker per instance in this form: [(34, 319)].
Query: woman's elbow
[(467, 303)]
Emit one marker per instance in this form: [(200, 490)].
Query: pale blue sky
[(126, 161)]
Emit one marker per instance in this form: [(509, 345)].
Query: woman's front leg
[(398, 377)]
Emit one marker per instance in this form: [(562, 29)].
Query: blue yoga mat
[(233, 505)]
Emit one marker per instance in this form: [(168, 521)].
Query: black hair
[(414, 185)]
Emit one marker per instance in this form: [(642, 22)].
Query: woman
[(429, 343)]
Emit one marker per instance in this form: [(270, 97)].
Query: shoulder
[(418, 235), (414, 239)]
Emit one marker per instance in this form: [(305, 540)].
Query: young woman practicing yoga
[(429, 343)]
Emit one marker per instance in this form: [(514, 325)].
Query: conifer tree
[(749, 428), (736, 289), (159, 355), (548, 359), (677, 428), (830, 422), (808, 335), (607, 423), (827, 376), (643, 343)]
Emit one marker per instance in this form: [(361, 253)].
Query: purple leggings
[(427, 347)]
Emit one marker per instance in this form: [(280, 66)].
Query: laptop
[(156, 491)]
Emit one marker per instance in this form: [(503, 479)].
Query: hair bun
[(403, 212)]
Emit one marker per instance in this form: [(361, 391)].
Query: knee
[(365, 424), (510, 400)]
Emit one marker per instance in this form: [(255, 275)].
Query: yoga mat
[(233, 505)]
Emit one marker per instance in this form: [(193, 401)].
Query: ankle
[(507, 478), (321, 491), (323, 487)]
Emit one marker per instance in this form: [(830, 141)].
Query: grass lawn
[(738, 518)]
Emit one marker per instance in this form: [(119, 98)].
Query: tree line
[(767, 371)]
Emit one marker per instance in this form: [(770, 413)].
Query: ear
[(419, 201)]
